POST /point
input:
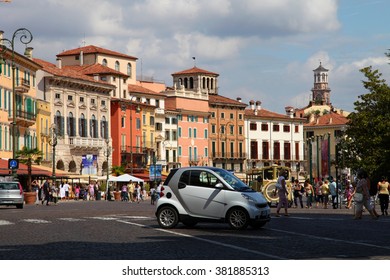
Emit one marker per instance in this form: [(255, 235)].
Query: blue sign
[(89, 165), (155, 172)]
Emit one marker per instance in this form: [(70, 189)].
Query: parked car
[(193, 194), (11, 193)]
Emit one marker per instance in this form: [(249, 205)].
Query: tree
[(367, 141), (28, 156), (118, 170)]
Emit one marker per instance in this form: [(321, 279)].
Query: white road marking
[(71, 219), (206, 240), (36, 221), (4, 223)]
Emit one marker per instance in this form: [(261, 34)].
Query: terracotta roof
[(224, 100), (330, 119), (195, 70), (66, 71), (97, 69), (139, 89), (94, 49), (262, 113)]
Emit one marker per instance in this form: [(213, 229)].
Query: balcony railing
[(79, 142), (229, 155), (22, 86), (23, 118)]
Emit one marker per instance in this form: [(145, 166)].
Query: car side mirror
[(219, 185)]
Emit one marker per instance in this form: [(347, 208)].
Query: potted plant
[(117, 170), (28, 156)]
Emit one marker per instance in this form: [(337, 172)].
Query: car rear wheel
[(238, 218), (167, 217), (19, 206)]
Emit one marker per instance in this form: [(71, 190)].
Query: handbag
[(358, 197)]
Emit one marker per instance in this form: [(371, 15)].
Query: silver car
[(11, 193), (193, 194)]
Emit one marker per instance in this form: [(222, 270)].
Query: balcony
[(22, 86), (23, 118), (83, 142), (229, 155)]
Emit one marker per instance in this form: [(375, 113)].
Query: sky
[(263, 50)]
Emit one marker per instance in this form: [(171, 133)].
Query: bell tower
[(321, 90)]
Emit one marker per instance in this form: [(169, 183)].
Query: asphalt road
[(101, 230)]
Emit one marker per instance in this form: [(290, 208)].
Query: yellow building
[(23, 70)]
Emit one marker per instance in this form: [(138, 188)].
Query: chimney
[(330, 120), (289, 111), (81, 58), (258, 105), (252, 104), (28, 52), (239, 99), (59, 63)]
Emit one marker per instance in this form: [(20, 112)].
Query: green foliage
[(118, 170), (367, 144), (28, 156)]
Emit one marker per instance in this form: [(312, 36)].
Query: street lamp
[(107, 153), (53, 143), (25, 37)]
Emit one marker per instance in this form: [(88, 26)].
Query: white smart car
[(193, 194)]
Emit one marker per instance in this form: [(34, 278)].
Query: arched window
[(71, 127), (191, 82), (203, 82), (59, 123), (180, 82), (129, 69), (185, 83), (82, 126), (94, 127), (117, 65), (212, 83), (104, 62), (104, 128)]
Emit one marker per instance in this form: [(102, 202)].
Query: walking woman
[(383, 195), (362, 196), (309, 193)]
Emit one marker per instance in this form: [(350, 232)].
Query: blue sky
[(263, 49)]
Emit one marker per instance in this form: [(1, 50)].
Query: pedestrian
[(333, 192), (348, 193), (309, 193), (62, 191), (77, 192), (298, 190), (124, 193), (318, 193), (153, 195), (158, 190), (282, 193), (54, 193), (362, 196), (383, 195), (325, 193), (91, 191), (66, 187), (138, 192), (46, 192), (35, 187)]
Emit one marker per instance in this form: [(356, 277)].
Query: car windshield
[(233, 181)]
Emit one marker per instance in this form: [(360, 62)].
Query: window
[(287, 151), (222, 115), (71, 127), (195, 133), (252, 126), (81, 99), (151, 120), (104, 62), (296, 150), (104, 128), (240, 130), (94, 127), (275, 127), (231, 116), (179, 132), (123, 121), (103, 103), (117, 66), (59, 123), (174, 121), (206, 134), (296, 128), (167, 121), (144, 119), (189, 133), (254, 153), (213, 115), (70, 97), (286, 128), (82, 126), (276, 150), (93, 101), (213, 129), (264, 127), (265, 150), (57, 95), (129, 70)]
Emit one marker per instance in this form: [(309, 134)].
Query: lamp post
[(107, 153), (25, 37), (310, 143), (53, 143)]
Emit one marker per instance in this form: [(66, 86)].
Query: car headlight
[(249, 198)]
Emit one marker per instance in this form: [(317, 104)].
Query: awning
[(125, 178), (22, 170)]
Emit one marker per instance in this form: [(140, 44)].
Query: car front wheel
[(167, 217), (238, 218)]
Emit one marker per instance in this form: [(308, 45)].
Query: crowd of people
[(326, 193)]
